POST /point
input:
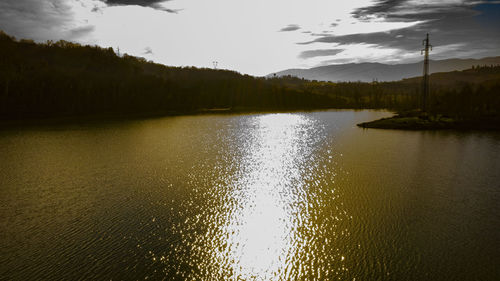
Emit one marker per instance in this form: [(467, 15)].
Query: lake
[(285, 196)]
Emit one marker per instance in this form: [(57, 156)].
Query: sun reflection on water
[(261, 232), (270, 219)]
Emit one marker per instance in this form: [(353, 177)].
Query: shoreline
[(34, 121), (419, 122)]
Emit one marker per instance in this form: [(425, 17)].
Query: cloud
[(290, 27), (58, 19), (322, 33), (144, 3), (155, 4), (319, 53), (148, 51), (96, 9), (470, 24), (79, 32), (381, 8), (36, 19), (407, 10)]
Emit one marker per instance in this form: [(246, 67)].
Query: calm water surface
[(298, 196)]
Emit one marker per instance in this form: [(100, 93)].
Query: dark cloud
[(144, 3), (408, 11), (79, 32), (469, 25), (322, 34), (172, 11), (37, 19), (381, 8), (290, 27), (319, 53), (54, 19), (148, 51), (96, 9), (155, 4)]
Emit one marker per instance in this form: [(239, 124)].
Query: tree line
[(67, 79)]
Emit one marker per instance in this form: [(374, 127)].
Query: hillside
[(368, 72), (64, 79), (474, 75)]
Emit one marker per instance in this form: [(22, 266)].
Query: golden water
[(297, 196)]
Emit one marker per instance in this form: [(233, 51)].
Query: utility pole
[(425, 86)]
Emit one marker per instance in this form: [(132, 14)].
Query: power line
[(425, 88)]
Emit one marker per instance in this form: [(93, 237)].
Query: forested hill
[(475, 75), (368, 72), (66, 79)]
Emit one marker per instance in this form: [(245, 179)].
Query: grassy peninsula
[(417, 120)]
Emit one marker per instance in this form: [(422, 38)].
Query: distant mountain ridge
[(367, 72)]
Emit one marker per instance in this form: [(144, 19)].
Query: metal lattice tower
[(425, 86)]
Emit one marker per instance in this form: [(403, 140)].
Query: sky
[(260, 37)]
